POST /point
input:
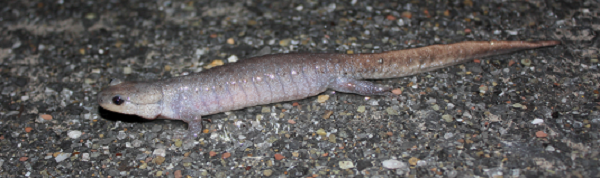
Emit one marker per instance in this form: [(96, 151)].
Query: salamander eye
[(117, 100)]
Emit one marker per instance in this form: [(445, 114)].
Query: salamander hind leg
[(194, 126), (350, 85)]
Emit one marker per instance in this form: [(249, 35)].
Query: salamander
[(284, 77)]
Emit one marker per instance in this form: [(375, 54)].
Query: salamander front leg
[(350, 85), (194, 126)]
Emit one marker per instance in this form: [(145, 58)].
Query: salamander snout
[(137, 98)]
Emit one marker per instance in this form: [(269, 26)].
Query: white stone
[(85, 157), (393, 164), (127, 70), (74, 134), (160, 152), (346, 164), (62, 157), (232, 59), (537, 121)]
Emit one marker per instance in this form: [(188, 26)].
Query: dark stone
[(278, 145), (294, 145), (13, 107), (20, 81), (363, 164), (58, 87), (298, 171)]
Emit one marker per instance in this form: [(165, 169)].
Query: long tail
[(400, 63)]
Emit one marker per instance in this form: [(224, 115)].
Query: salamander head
[(142, 99)]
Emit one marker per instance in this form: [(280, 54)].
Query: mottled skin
[(283, 77)]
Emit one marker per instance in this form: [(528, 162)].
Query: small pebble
[(321, 132), (390, 17), (160, 152), (346, 164), (212, 153), (279, 157), (448, 135), (550, 148), (265, 109), (413, 161), (541, 134), (467, 30), (435, 107), (268, 172), (28, 129), (158, 160), (226, 155), (177, 174), (178, 143), (483, 89), (517, 105), (393, 164), (406, 14), (73, 134), (526, 62), (373, 102), (90, 16), (230, 41), (46, 117), (285, 42), (61, 157), (327, 114), (511, 62), (447, 118), (322, 98), (287, 106), (143, 166), (391, 111), (291, 121), (537, 121), (447, 13), (127, 70), (232, 59), (421, 163), (332, 138), (85, 157), (214, 63), (361, 109)]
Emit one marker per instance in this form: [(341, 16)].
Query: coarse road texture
[(533, 113)]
